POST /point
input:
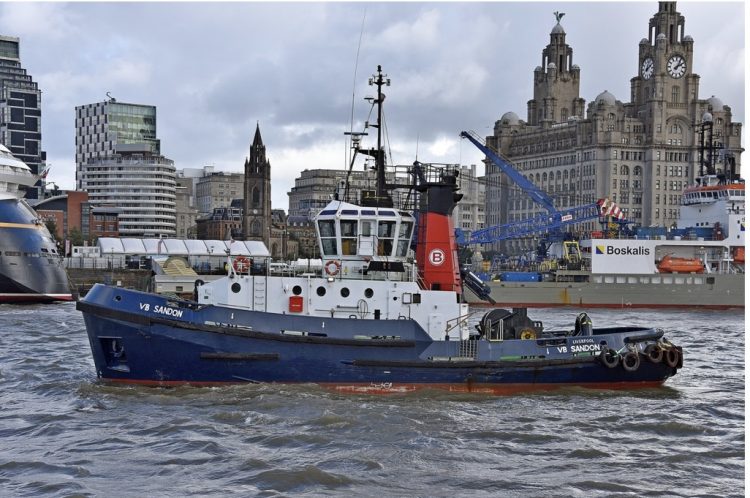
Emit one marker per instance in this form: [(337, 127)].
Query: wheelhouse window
[(348, 237), (404, 236), (327, 230), (386, 232)]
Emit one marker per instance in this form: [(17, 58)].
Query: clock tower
[(257, 199), (665, 85)]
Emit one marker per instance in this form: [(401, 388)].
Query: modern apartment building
[(640, 152), (109, 127), (20, 112), (139, 182), (118, 161)]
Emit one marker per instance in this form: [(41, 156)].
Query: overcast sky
[(215, 69)]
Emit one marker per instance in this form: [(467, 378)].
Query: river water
[(63, 433)]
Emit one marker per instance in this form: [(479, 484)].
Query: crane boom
[(538, 195), (540, 223), (550, 222)]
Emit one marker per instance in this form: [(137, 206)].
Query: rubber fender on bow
[(654, 353), (631, 361), (671, 357), (609, 357)]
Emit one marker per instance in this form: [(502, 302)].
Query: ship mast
[(381, 196)]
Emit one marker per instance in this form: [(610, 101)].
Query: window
[(404, 237), (327, 236), (348, 237), (675, 95), (386, 231)]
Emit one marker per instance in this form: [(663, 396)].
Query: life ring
[(671, 357), (609, 357), (631, 361), (528, 334), (654, 353), (241, 264), (332, 267)]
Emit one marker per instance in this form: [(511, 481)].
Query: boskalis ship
[(31, 270), (700, 263), (378, 318)]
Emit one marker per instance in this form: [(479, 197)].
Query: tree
[(75, 236), (51, 226)]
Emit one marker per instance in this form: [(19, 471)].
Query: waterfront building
[(118, 161), (468, 214), (21, 113), (224, 223), (71, 211), (216, 190), (141, 183), (315, 188), (284, 245), (640, 153), (185, 213), (110, 127), (257, 192)]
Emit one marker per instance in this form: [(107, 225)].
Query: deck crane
[(549, 222)]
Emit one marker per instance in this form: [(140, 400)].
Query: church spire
[(257, 140)]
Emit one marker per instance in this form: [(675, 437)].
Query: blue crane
[(551, 221)]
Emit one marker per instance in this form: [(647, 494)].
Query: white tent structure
[(177, 247)]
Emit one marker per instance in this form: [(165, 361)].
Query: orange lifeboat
[(671, 264), (739, 254)]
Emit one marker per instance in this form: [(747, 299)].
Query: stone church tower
[(257, 199)]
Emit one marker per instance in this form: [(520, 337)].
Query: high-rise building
[(139, 182), (257, 213), (20, 112), (109, 127), (118, 162), (640, 154)]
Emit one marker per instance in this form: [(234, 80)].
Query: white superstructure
[(13, 173)]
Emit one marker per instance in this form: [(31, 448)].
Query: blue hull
[(30, 268), (143, 338)]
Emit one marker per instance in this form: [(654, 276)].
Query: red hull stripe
[(609, 305), (396, 388), (27, 298)]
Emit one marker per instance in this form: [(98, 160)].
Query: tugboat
[(31, 270), (373, 320)]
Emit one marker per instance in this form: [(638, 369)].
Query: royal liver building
[(640, 154)]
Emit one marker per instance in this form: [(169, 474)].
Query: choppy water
[(62, 433)]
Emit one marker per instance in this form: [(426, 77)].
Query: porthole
[(236, 287), (296, 290), (321, 291), (118, 298), (368, 293), (344, 292)]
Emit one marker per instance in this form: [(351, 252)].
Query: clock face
[(676, 66), (647, 68)]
